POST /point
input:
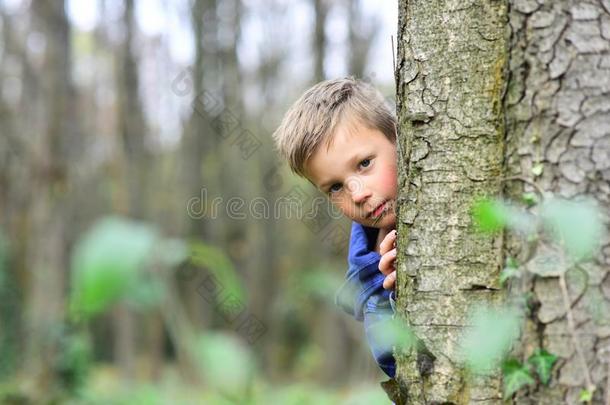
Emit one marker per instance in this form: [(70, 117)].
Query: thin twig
[(393, 57), (572, 328), (539, 190)]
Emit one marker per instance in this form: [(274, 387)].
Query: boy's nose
[(359, 196), (357, 189)]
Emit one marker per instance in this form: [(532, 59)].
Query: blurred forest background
[(144, 257)]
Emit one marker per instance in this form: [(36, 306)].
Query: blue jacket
[(363, 296)]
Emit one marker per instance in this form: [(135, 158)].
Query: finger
[(390, 281), (386, 264), (387, 243)]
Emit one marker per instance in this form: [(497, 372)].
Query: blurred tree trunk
[(195, 145), (319, 39), (48, 211), (361, 34), (460, 132), (264, 280), (133, 163)]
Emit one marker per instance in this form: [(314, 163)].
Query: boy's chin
[(388, 221)]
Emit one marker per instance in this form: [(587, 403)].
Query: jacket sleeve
[(378, 316), (363, 296)]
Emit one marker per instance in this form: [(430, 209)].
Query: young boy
[(341, 136)]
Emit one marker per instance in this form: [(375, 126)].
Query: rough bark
[(460, 134), (558, 115), (451, 64)]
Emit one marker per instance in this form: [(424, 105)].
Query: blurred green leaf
[(217, 263), (300, 394), (585, 396), (392, 332), (511, 262), (492, 215), (490, 337), (530, 199), (576, 225), (516, 376), (141, 394), (309, 361), (489, 215), (173, 251), (226, 362), (538, 169), (146, 293), (320, 282), (74, 360), (542, 361), (366, 396), (507, 273), (106, 261)]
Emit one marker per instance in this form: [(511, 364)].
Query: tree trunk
[(558, 116), (48, 213), (133, 165), (319, 38), (487, 90)]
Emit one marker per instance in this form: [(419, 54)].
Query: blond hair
[(313, 118)]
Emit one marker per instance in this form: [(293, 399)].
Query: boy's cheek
[(389, 181)]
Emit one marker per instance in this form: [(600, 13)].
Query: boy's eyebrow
[(326, 184)]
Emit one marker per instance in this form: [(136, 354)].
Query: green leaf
[(173, 252), (106, 262), (488, 340), (489, 215), (320, 282), (576, 225), (145, 294), (217, 263), (392, 332), (508, 273), (585, 396), (542, 361), (511, 262), (537, 169), (516, 376), (225, 361), (530, 199)]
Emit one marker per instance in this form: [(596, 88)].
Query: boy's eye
[(334, 188), (365, 163)]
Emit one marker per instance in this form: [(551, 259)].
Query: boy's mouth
[(378, 212)]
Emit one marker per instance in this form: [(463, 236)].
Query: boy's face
[(358, 173)]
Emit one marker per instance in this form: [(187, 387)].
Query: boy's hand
[(387, 250)]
